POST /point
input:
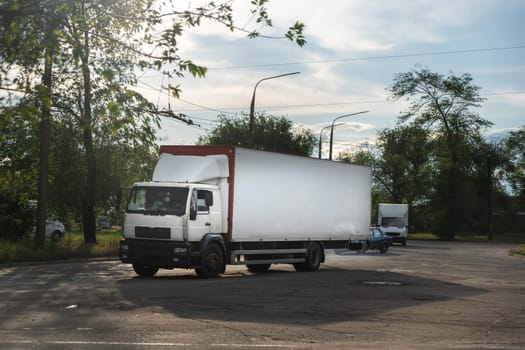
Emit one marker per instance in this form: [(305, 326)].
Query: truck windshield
[(393, 222), (158, 200)]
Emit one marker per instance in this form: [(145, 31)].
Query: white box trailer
[(393, 221), (210, 206)]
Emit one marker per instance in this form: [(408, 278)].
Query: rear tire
[(145, 270), (212, 262), (314, 255)]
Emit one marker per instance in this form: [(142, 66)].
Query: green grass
[(423, 236), (517, 238), (71, 246), (518, 251)]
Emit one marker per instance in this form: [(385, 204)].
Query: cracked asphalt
[(428, 295)]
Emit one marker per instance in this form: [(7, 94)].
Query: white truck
[(393, 221), (212, 206)]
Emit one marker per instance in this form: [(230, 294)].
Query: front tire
[(145, 270), (212, 262), (384, 248)]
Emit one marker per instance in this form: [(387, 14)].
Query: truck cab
[(166, 222)]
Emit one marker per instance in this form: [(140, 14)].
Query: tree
[(271, 133), (443, 105), (404, 166), (96, 47), (26, 29), (18, 168), (515, 149), (488, 158)]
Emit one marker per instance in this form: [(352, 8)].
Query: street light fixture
[(332, 129), (252, 104), (321, 137)]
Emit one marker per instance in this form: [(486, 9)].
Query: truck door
[(200, 219)]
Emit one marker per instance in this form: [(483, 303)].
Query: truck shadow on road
[(282, 296)]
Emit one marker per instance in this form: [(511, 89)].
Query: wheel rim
[(212, 261)]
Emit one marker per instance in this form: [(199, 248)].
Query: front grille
[(152, 232)]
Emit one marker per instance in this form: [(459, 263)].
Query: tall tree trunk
[(489, 197), (44, 129), (452, 180), (452, 196), (88, 214)]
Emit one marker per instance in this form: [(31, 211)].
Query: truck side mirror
[(193, 205), (193, 213), (208, 198)]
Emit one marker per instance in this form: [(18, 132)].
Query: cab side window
[(204, 200), (201, 201)]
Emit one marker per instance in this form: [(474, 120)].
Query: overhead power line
[(182, 100), (350, 102), (369, 58)]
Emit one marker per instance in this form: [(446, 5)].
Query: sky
[(354, 49)]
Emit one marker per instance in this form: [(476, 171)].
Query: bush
[(16, 217)]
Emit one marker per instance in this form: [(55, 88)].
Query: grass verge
[(71, 246), (520, 251)]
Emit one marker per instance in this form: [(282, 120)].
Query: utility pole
[(332, 129), (321, 137), (252, 105)]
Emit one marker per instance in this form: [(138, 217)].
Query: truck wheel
[(145, 270), (405, 242), (258, 268), (313, 258), (212, 262), (384, 248)]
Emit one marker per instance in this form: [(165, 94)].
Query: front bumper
[(164, 254), (396, 238)]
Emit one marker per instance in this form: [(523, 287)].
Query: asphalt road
[(428, 295)]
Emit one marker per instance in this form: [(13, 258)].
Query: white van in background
[(393, 221)]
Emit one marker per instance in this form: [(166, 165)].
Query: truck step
[(269, 261), (268, 251)]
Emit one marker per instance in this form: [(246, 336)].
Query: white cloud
[(376, 25), (515, 99)]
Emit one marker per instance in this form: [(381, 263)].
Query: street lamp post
[(332, 129), (252, 104), (321, 137)]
